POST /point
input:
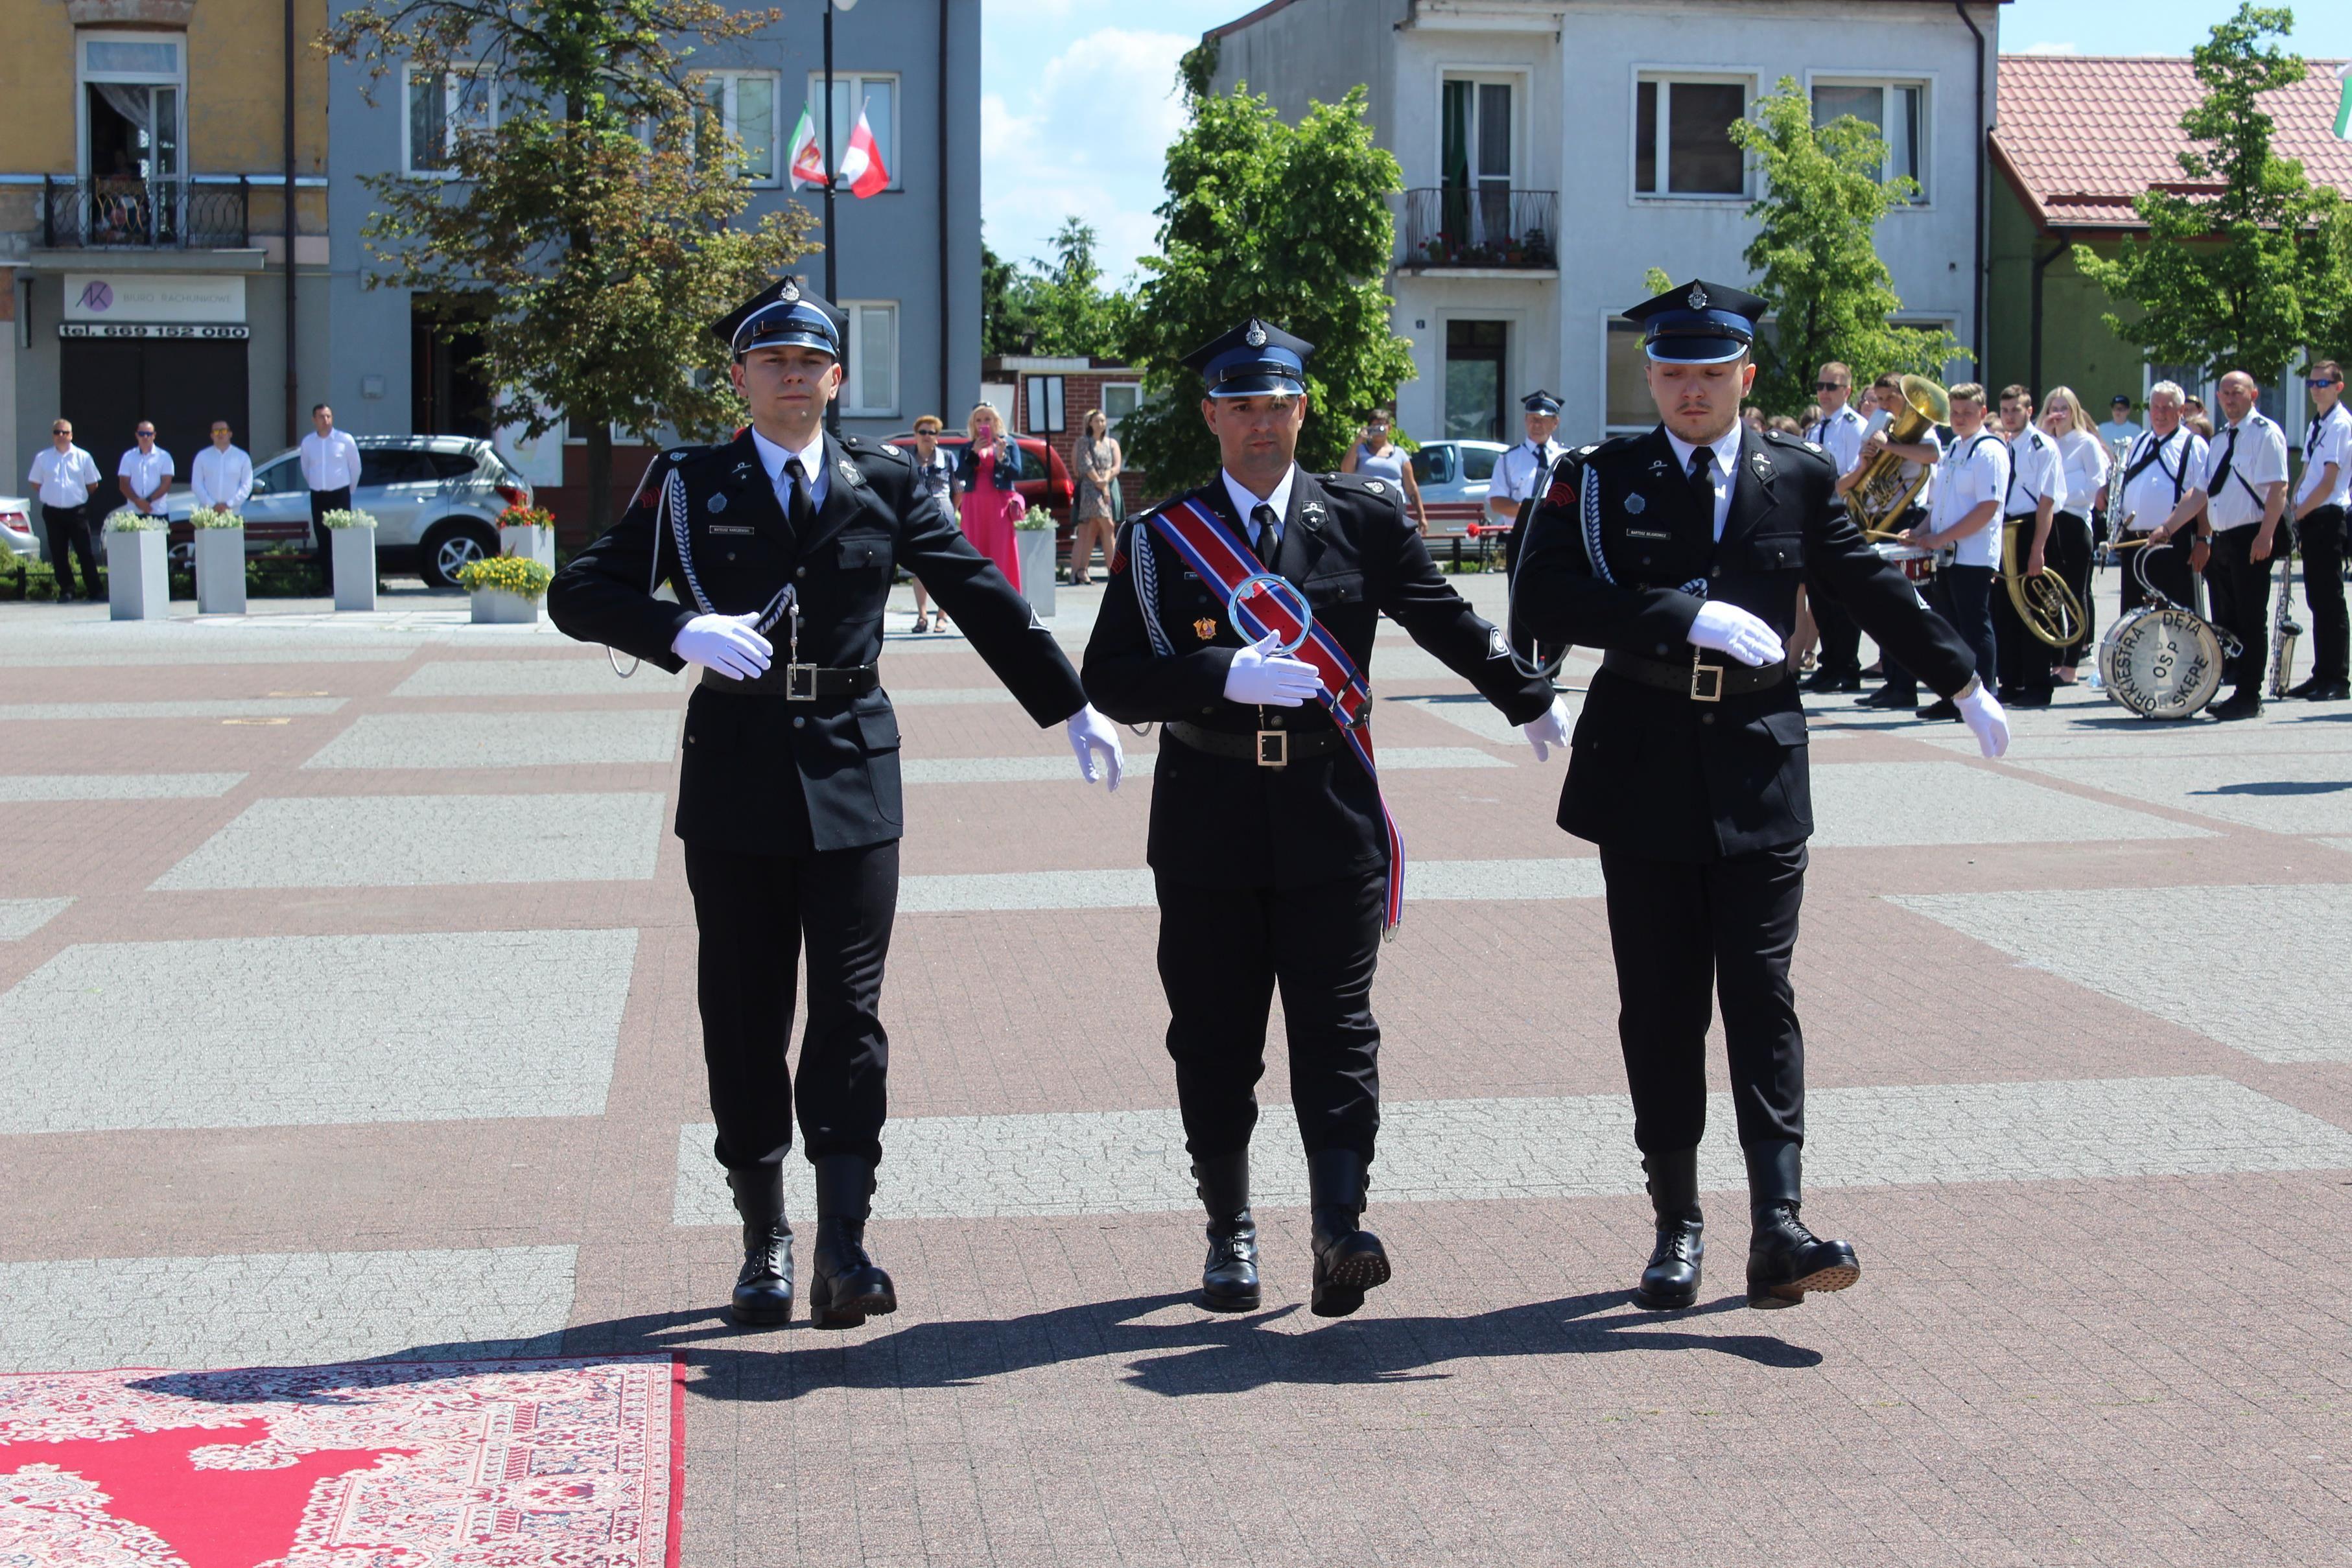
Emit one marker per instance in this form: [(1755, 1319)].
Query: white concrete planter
[(497, 606), (138, 585), (1034, 547), (220, 571), (531, 544), (355, 568)]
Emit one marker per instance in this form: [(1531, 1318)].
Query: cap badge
[(1635, 503), (1205, 629), (1255, 336), (792, 294), (1697, 299)]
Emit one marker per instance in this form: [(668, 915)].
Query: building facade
[(147, 151), (1554, 151)]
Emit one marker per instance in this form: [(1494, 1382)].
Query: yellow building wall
[(36, 90)]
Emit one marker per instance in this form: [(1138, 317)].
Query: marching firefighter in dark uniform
[(781, 547), (1275, 862), (1678, 554)]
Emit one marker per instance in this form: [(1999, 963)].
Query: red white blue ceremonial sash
[(1211, 549)]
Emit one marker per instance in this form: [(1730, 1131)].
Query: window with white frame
[(443, 108), (1897, 110), (745, 104), (1681, 136), (1120, 399), (133, 105), (869, 383), (875, 92)]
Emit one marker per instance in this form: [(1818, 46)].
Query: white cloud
[(2049, 48)]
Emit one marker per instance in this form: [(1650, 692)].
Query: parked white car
[(16, 529), (1453, 476)]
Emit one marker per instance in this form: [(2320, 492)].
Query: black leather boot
[(1784, 1258), (1671, 1280), (1348, 1260), (1229, 1279), (845, 1287), (763, 1290)]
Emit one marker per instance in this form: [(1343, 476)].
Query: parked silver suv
[(436, 500)]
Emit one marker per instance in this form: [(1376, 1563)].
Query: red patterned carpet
[(483, 1464)]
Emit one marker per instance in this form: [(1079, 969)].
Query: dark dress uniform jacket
[(767, 775), (1220, 821), (1650, 770)]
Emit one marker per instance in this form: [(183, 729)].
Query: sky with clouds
[(1078, 98)]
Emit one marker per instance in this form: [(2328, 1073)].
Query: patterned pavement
[(347, 1011)]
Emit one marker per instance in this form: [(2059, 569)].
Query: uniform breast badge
[(1635, 503), (1205, 629)]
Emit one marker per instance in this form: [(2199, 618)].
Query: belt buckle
[(800, 683), (1703, 690), (1273, 749)]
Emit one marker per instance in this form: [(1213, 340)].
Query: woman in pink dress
[(986, 472)]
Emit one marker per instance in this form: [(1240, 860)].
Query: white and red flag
[(861, 168)]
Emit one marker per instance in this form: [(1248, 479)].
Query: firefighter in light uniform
[(1678, 553)]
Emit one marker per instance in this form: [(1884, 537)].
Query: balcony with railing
[(1481, 228), (124, 212)]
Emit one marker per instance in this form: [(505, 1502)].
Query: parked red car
[(1045, 479)]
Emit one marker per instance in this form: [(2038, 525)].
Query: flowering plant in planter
[(124, 521), (340, 518), (215, 518), (516, 574), (526, 517)]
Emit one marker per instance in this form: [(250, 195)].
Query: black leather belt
[(800, 683), (1696, 679), (1266, 748)]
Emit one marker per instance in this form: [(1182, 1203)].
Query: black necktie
[(802, 511), (1702, 483), (1268, 532), (2222, 469)]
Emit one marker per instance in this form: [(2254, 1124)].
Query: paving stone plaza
[(347, 1012)]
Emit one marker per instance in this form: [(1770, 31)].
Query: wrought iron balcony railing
[(1456, 226), (123, 211)]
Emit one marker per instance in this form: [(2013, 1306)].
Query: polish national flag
[(861, 165)]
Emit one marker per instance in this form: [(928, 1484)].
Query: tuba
[(2046, 605), (1883, 495)]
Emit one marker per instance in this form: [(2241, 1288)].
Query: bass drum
[(2160, 662)]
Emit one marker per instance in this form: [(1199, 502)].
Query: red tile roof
[(2081, 135)]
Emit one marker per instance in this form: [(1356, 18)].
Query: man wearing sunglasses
[(65, 474), (145, 472), (1838, 433), (2319, 529)]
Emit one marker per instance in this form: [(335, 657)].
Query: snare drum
[(1916, 564)]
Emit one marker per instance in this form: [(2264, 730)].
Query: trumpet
[(1883, 495), (2046, 605)]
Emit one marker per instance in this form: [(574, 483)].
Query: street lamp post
[(831, 169)]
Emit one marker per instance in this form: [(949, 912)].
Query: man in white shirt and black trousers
[(145, 473), (1524, 467), (63, 475), (1679, 553), (2037, 489), (1839, 433), (2159, 467), (2242, 491), (2319, 508), (331, 466), (1964, 518), (222, 475)]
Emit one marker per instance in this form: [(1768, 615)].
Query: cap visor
[(1255, 386), (1697, 351), (820, 343)]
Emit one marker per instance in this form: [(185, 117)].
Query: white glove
[(725, 644), (1982, 712), (1728, 629), (1549, 731), (1090, 732), (1261, 678)]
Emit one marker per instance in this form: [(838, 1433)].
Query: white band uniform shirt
[(2328, 439), (774, 457), (1840, 435), (1725, 465), (221, 477), (2035, 470), (1245, 507), (64, 477), (1973, 472), (145, 470), (329, 462), (2086, 458), (2168, 466), (2237, 471), (1518, 471)]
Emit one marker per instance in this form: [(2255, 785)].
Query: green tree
[(1056, 307), (1008, 307), (2243, 277), (590, 234), (1290, 223), (1814, 257)]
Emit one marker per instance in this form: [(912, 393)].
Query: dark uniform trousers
[(2068, 554), (68, 531), (2167, 571), (2024, 659), (2320, 536), (322, 502), (2242, 601), (1900, 681)]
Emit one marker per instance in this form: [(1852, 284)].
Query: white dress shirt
[(1840, 435), (1522, 469), (2328, 439), (1726, 468), (2086, 458), (2035, 470), (774, 457), (1245, 503), (2168, 469), (64, 477), (331, 461), (147, 469), (221, 477), (1976, 470), (2253, 461)]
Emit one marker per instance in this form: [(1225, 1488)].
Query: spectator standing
[(2075, 525), (222, 475), (987, 470), (2319, 513), (144, 474), (2242, 493), (1526, 467), (2119, 431), (65, 474), (1099, 463), (331, 466), (1375, 456), (2161, 465), (935, 471), (1964, 516)]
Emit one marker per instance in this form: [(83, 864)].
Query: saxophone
[(2284, 631)]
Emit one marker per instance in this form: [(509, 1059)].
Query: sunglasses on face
[(1829, 386), (2316, 383)]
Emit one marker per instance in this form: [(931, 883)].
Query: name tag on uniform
[(1647, 534), (730, 528)]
